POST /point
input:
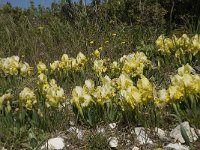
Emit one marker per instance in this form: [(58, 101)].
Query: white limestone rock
[(73, 130), (112, 125), (176, 133), (80, 134), (135, 148), (198, 132), (161, 133), (71, 123), (54, 144), (176, 146), (113, 142), (142, 137)]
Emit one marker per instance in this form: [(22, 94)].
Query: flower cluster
[(119, 90), (118, 87), (179, 46), (90, 94), (54, 95), (27, 98), (105, 92), (97, 52), (134, 64), (99, 66), (130, 95), (42, 82), (69, 63), (184, 83), (5, 100), (41, 68), (115, 67), (13, 66)]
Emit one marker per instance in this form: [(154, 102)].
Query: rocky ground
[(123, 138)]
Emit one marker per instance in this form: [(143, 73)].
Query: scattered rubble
[(75, 130)]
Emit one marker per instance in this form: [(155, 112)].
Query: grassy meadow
[(89, 66)]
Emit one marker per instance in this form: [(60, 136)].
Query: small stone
[(113, 142), (161, 134), (54, 144), (76, 131), (175, 146), (176, 133), (198, 132), (100, 130), (132, 132), (142, 137), (135, 148), (73, 129), (128, 142), (71, 123), (79, 135), (112, 125)]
